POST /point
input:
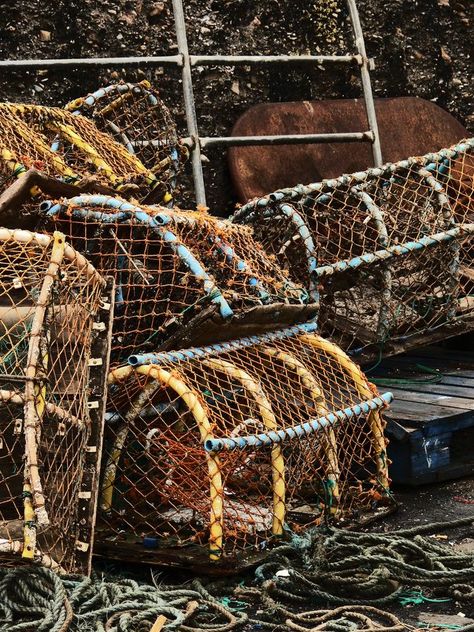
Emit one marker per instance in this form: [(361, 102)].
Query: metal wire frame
[(186, 62), (237, 360), (430, 169)]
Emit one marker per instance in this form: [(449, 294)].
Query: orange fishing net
[(227, 446), (182, 277), (135, 116), (70, 148)]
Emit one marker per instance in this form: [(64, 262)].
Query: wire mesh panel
[(135, 116), (389, 250), (227, 446), (70, 148), (51, 399), (180, 276)]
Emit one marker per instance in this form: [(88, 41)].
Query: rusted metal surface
[(407, 125)]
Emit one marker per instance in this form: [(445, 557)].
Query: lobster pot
[(388, 251), (229, 446), (136, 117), (181, 277), (51, 391), (69, 148)]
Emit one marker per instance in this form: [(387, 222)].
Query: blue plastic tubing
[(125, 211), (396, 251), (302, 430), (228, 252), (295, 194), (167, 357)]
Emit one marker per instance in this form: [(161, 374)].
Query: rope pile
[(346, 567), (355, 571), (76, 604), (41, 601)]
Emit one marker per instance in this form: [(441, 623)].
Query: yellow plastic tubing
[(328, 440), (192, 401), (364, 390), (269, 420), (73, 137)]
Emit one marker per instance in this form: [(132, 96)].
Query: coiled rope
[(353, 572), (35, 599), (344, 567)]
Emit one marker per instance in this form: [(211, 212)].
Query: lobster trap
[(54, 326), (388, 251), (72, 149), (229, 447), (136, 117), (182, 277)]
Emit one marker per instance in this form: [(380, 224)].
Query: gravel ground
[(421, 48)]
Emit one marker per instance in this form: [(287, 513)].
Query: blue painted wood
[(427, 420)]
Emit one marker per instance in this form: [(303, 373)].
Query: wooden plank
[(443, 353), (411, 371), (431, 399), (462, 381), (192, 558), (448, 363), (430, 420), (435, 389), (454, 470), (419, 414)]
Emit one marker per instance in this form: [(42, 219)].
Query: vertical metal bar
[(366, 84), (189, 104)]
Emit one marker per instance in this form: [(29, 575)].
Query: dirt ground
[(421, 48)]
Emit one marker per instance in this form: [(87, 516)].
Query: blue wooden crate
[(430, 424)]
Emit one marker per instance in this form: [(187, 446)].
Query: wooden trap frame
[(55, 316)]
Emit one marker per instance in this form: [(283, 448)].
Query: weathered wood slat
[(431, 399), (430, 422)]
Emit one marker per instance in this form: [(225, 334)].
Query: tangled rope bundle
[(356, 572), (367, 568), (39, 600)]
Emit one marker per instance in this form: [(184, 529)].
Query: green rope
[(436, 378), (354, 572), (345, 567), (34, 599)]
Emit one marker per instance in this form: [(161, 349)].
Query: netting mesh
[(175, 271), (49, 300), (225, 446), (389, 251), (69, 147), (135, 116)]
